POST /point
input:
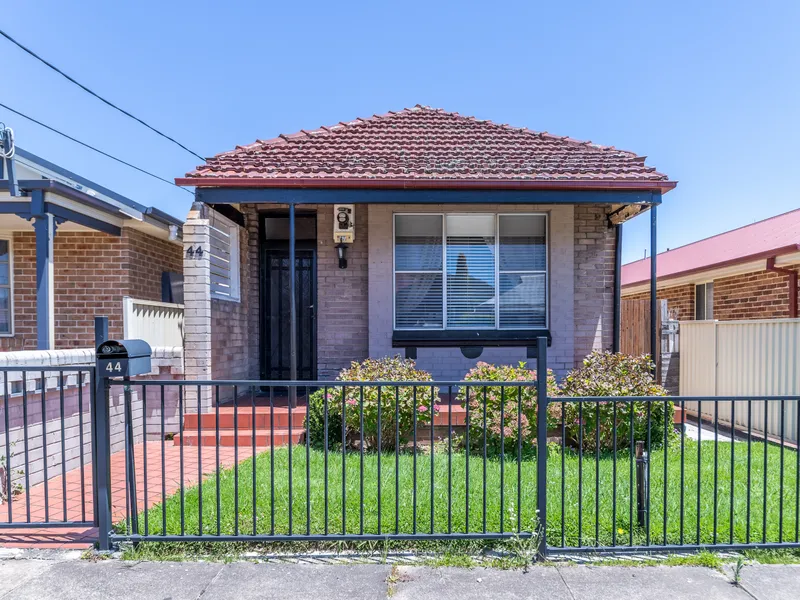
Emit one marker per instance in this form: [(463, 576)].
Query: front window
[(470, 271)]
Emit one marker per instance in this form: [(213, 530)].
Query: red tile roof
[(424, 144), (771, 237)]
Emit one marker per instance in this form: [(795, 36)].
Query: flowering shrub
[(510, 398), (403, 402), (609, 374)]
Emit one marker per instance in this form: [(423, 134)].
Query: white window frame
[(217, 221), (704, 285), (497, 271), (9, 238)]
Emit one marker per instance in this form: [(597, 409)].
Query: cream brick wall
[(355, 306), (449, 363), (197, 306), (594, 280)]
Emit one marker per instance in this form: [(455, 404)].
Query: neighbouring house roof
[(76, 201), (423, 145), (95, 190), (771, 237)]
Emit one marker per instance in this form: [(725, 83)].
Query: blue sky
[(709, 91)]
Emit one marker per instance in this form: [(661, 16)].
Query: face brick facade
[(92, 273), (680, 300), (355, 305), (757, 295)]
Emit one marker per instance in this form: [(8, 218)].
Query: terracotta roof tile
[(424, 143)]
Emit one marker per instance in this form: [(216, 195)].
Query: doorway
[(276, 301)]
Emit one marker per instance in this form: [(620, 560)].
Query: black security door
[(275, 349), (275, 312)]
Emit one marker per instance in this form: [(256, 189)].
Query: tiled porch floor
[(84, 537)]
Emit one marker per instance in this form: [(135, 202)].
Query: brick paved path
[(84, 537)]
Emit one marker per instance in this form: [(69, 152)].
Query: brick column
[(197, 306)]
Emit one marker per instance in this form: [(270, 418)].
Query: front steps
[(272, 426), (236, 427)]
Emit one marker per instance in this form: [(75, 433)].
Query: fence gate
[(46, 447)]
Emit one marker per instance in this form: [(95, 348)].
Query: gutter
[(792, 284), (477, 184), (160, 215)]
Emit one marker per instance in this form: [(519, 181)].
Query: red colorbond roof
[(771, 237), (423, 144)]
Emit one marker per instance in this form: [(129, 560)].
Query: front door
[(275, 349)]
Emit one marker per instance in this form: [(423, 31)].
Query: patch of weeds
[(452, 559), (737, 571), (787, 556), (95, 556), (701, 559), (392, 580), (704, 558)]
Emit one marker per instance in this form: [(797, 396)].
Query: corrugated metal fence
[(739, 358)]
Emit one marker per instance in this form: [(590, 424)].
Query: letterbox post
[(123, 358), (102, 446)]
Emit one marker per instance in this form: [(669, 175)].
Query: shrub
[(401, 401), (609, 374), (511, 398)]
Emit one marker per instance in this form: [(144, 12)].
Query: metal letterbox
[(123, 358)]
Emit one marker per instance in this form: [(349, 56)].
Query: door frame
[(264, 246)]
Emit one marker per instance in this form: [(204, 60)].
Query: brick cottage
[(419, 232), (71, 249), (744, 274)]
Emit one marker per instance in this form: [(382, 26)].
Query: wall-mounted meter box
[(344, 223)]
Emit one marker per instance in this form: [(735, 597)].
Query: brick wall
[(92, 273), (762, 295), (594, 280), (680, 300), (234, 324), (148, 258), (342, 330), (342, 295), (758, 295), (354, 306)]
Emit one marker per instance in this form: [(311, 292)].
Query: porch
[(307, 304)]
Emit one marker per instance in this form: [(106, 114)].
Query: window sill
[(459, 339)]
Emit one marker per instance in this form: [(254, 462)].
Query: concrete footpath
[(44, 578)]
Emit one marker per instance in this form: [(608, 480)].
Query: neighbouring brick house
[(71, 250), (419, 232), (747, 273)]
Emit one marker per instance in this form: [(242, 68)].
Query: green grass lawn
[(579, 519)]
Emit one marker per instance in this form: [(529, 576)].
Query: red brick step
[(228, 438)]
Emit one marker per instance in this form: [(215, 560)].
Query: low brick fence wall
[(76, 389)]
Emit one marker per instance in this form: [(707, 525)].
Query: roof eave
[(718, 265), (662, 186)]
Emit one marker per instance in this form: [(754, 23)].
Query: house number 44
[(194, 252)]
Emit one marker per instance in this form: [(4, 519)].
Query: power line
[(90, 147), (86, 89)]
